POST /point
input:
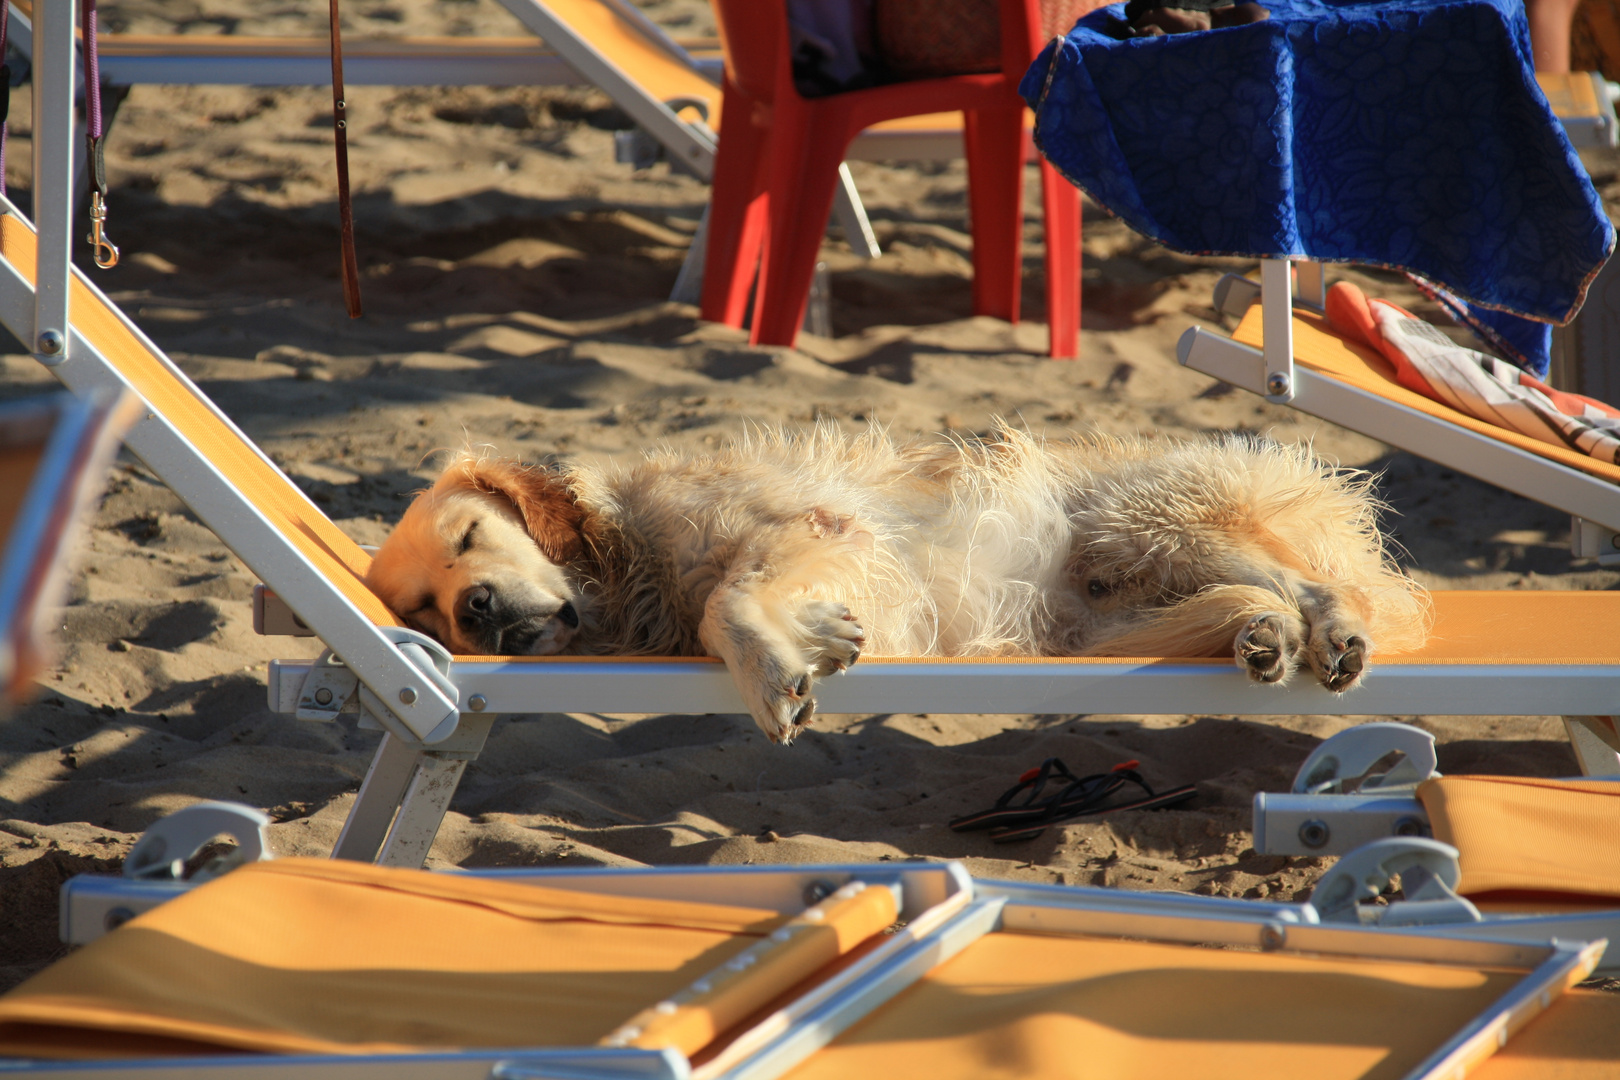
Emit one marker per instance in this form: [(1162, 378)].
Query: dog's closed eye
[(425, 618), (467, 539)]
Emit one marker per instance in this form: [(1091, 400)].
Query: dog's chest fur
[(945, 549)]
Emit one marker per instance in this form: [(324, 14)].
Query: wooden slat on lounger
[(338, 558), (1321, 350)]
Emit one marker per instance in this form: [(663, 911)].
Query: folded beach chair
[(1499, 856), (53, 453), (918, 971), (436, 709)]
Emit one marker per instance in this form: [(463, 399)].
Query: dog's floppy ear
[(542, 496)]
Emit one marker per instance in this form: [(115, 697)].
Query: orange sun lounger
[(753, 973)]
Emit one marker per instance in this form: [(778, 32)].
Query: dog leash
[(340, 125), (1025, 820), (106, 252)]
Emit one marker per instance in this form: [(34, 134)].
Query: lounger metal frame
[(1273, 374), (945, 912)]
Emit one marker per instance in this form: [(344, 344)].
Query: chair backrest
[(754, 35)]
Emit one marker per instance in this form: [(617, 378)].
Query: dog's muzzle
[(501, 627)]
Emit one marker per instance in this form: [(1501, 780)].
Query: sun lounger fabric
[(1430, 363), (1523, 838), (318, 956), (1020, 1005), (1410, 135), (1578, 1038)]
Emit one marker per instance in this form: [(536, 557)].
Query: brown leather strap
[(340, 124)]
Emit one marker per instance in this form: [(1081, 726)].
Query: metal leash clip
[(106, 250)]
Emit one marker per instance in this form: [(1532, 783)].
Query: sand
[(515, 281)]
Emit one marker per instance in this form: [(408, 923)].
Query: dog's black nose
[(474, 606), (568, 615)]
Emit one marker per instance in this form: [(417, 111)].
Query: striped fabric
[(1427, 362)]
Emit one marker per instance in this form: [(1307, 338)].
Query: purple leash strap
[(106, 253)]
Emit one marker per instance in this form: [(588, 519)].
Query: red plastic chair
[(776, 175)]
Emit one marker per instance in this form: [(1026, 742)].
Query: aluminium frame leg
[(1596, 742), (433, 784), (380, 796), (54, 61), (405, 795)]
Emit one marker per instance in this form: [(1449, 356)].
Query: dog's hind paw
[(1339, 660), (1265, 648)]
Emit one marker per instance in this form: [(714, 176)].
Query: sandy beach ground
[(515, 280)]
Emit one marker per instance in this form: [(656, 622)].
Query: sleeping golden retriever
[(788, 555)]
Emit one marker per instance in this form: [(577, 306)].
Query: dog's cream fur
[(789, 555)]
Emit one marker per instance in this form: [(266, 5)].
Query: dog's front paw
[(832, 637), (1267, 645), (1338, 655)]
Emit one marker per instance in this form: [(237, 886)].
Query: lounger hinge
[(332, 688), (1320, 825), (1429, 875), (1342, 763), (1338, 802), (163, 850), (328, 690)]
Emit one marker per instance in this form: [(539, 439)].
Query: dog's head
[(477, 562)]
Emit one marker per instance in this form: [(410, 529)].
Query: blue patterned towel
[(1406, 134)]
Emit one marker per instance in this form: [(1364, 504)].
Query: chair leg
[(373, 812), (405, 795), (422, 811), (1061, 203), (737, 214), (807, 149), (1596, 743), (994, 140)]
